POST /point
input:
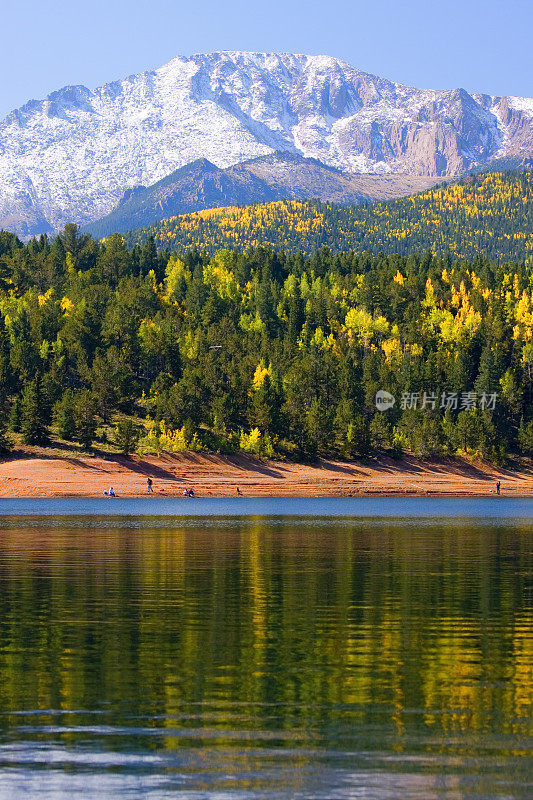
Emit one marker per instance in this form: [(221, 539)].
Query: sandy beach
[(219, 476)]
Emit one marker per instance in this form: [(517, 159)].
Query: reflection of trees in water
[(287, 625)]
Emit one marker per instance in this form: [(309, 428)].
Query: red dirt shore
[(219, 476)]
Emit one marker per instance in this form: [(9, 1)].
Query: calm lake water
[(266, 649)]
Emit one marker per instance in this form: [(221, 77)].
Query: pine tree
[(126, 436), (358, 437), (468, 431), (380, 432), (5, 443), (448, 431), (148, 257), (318, 427), (85, 411), (525, 438), (15, 415), (264, 410), (296, 315), (6, 377), (32, 424), (65, 415), (50, 392)]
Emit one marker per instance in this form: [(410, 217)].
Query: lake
[(245, 649)]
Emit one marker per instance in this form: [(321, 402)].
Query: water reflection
[(256, 657)]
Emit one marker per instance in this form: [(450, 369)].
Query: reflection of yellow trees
[(464, 685), (262, 626), (453, 679), (258, 598), (520, 686)]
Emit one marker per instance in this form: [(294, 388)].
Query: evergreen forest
[(266, 351)]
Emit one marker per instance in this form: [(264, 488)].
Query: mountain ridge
[(277, 176), (73, 155)]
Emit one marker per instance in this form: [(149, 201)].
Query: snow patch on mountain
[(522, 104)]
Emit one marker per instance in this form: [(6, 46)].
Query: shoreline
[(86, 476)]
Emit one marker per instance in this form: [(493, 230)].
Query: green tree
[(148, 259), (318, 427), (380, 432), (5, 442), (344, 417), (448, 431), (15, 415), (32, 425), (50, 392), (423, 434), (432, 438), (468, 431), (114, 259), (85, 415), (358, 437), (126, 436), (525, 438), (65, 415), (264, 410)]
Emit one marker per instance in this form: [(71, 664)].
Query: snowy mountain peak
[(73, 155)]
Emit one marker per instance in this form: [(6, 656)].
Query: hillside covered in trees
[(266, 352), (489, 214)]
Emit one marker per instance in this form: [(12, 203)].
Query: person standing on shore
[(149, 484), (498, 487)]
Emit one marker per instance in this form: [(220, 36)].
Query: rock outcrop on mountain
[(72, 156)]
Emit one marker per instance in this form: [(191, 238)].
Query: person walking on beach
[(498, 487), (150, 487)]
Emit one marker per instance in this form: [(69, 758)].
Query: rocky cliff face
[(72, 156)]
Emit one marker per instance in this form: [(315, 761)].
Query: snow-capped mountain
[(72, 156)]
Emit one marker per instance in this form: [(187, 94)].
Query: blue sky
[(482, 45)]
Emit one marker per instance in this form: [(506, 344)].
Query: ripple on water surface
[(267, 656)]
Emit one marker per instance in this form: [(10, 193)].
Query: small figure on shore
[(497, 487), (149, 484), (239, 493), (110, 492), (188, 492)]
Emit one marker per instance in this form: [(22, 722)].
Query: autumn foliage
[(489, 214)]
